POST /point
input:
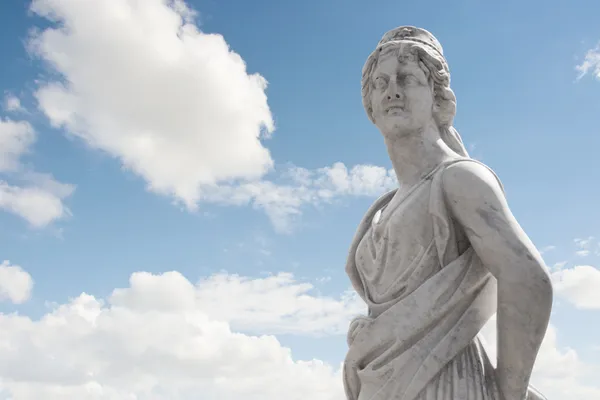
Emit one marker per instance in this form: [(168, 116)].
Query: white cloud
[(36, 205), (582, 253), (559, 373), (579, 285), (282, 202), (38, 198), (559, 265), (12, 103), (164, 338), (584, 246), (184, 114), (15, 283), (584, 243), (547, 249), (361, 180), (590, 63), (16, 137), (275, 304)]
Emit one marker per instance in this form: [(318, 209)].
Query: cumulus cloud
[(275, 304), (37, 206), (590, 63), (184, 114), (38, 198), (559, 373), (579, 286), (165, 338), (15, 283)]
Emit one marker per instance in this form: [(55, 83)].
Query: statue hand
[(356, 325)]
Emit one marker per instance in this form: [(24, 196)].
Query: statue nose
[(397, 96)]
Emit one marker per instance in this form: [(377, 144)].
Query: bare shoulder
[(476, 201), (470, 181)]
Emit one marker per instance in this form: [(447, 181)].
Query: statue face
[(401, 96)]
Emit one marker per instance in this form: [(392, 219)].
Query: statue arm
[(477, 202)]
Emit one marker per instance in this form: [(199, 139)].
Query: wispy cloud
[(590, 64), (559, 265), (36, 197), (547, 249), (584, 246)]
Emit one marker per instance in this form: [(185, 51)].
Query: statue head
[(406, 84)]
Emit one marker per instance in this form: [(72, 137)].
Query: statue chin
[(397, 126)]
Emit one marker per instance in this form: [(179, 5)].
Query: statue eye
[(380, 82), (411, 80)]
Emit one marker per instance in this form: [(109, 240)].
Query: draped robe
[(428, 296)]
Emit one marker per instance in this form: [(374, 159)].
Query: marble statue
[(437, 257)]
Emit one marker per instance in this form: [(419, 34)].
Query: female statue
[(436, 258)]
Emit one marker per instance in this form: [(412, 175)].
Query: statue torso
[(398, 253)]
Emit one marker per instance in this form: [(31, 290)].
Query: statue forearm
[(523, 315)]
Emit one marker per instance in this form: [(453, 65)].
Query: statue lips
[(394, 108)]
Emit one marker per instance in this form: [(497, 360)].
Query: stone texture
[(436, 258)]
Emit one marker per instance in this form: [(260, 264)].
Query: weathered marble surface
[(436, 258)]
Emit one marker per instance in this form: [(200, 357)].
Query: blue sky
[(131, 147)]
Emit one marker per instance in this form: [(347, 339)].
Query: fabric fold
[(410, 344)]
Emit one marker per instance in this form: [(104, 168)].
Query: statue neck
[(415, 154)]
